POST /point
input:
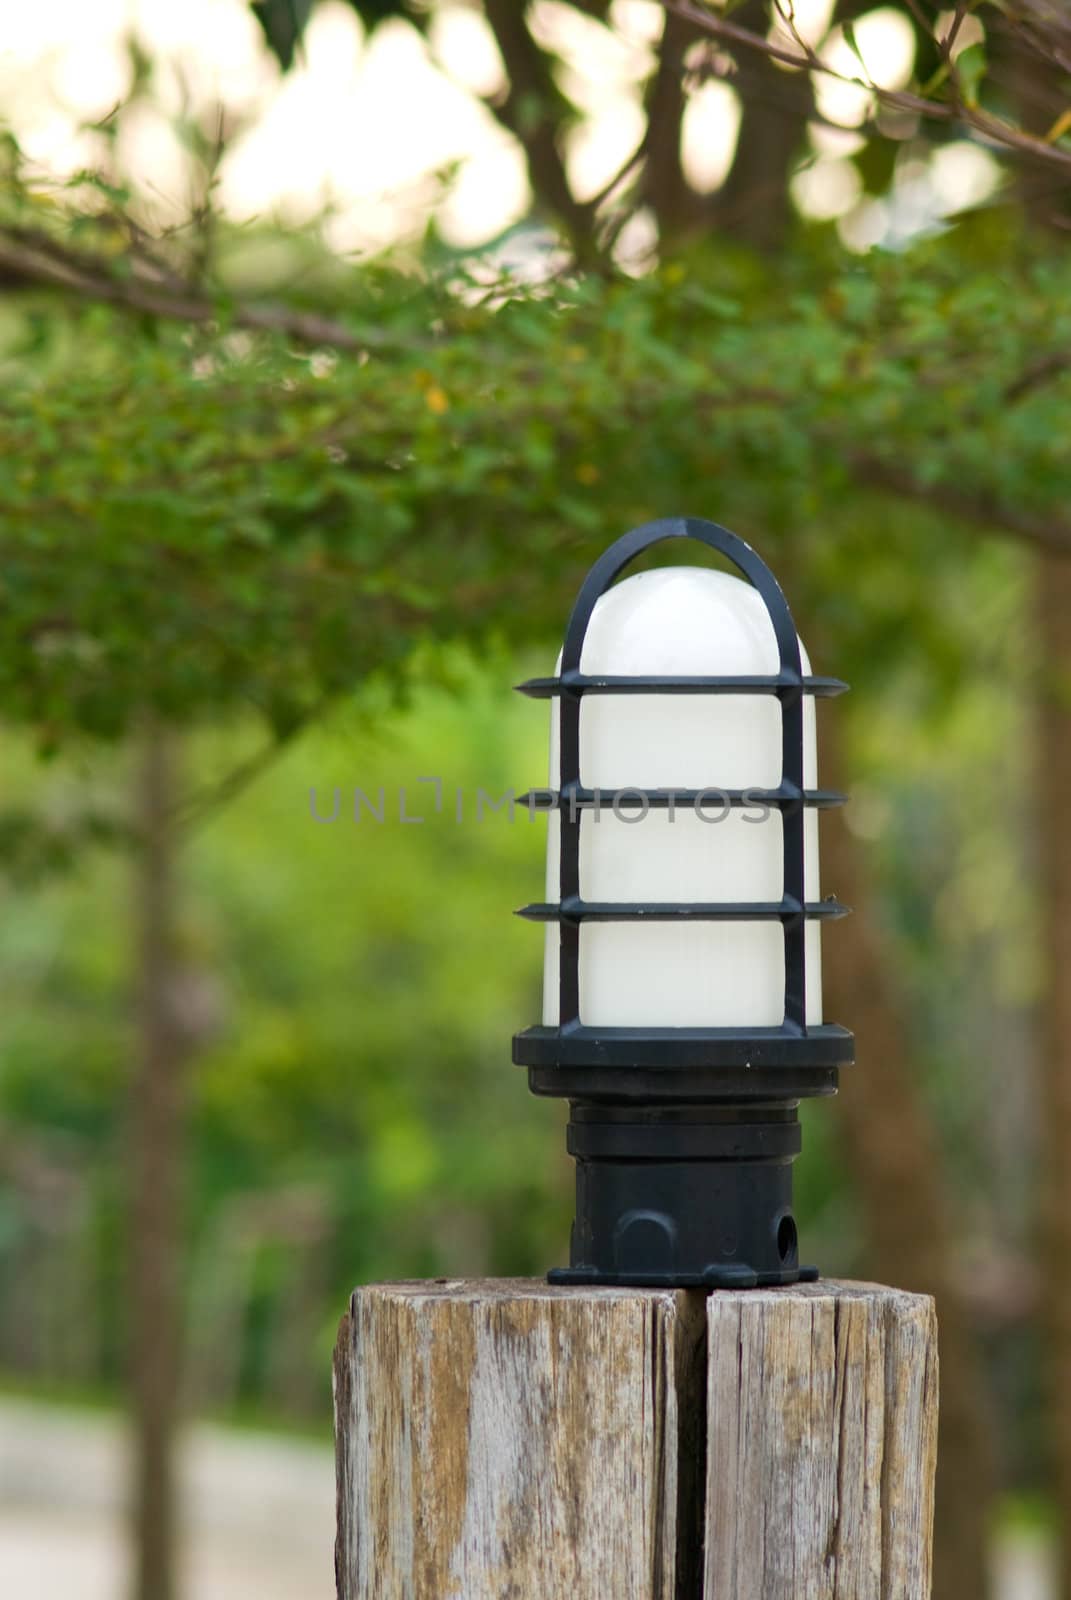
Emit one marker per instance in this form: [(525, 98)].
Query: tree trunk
[(892, 1154), (753, 203), (1037, 88), (533, 110), (665, 188), (156, 1152), (1053, 770)]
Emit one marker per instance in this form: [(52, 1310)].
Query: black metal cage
[(683, 1136)]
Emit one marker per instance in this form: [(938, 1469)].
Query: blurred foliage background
[(353, 1112), (283, 517)]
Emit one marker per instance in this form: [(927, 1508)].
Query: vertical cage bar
[(569, 815), (792, 834)]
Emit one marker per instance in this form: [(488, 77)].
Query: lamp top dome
[(681, 620)]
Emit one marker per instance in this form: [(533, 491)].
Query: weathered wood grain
[(512, 1441), (821, 1444)]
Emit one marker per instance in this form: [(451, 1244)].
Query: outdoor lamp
[(682, 1007)]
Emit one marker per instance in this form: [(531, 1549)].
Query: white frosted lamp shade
[(674, 622)]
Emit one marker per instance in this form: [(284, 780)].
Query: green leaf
[(970, 72), (284, 23), (847, 28)]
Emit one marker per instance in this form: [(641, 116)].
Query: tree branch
[(981, 509), (1037, 375), (994, 130), (48, 264), (199, 808), (530, 111)]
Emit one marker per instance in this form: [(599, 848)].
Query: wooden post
[(821, 1443), (501, 1440)]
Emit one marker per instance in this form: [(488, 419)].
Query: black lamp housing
[(684, 1138)]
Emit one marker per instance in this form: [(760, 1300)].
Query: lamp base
[(722, 1275), (684, 1196)]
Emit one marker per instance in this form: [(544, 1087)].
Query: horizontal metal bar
[(683, 1065), (576, 797), (575, 909), (756, 1034), (580, 683)]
